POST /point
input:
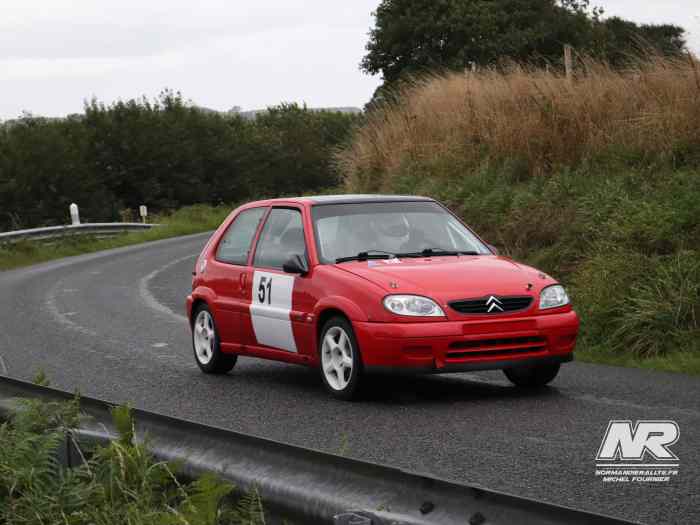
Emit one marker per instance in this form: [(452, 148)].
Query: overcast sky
[(56, 53)]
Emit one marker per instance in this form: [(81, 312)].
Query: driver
[(392, 229)]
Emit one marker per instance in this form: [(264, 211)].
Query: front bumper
[(458, 346), (188, 306)]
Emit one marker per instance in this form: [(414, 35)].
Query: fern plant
[(120, 483)]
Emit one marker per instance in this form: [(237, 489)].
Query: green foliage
[(41, 379), (662, 312), (164, 153), (296, 149), (120, 483), (615, 39), (33, 486), (249, 510), (415, 36)]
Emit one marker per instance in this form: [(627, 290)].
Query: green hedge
[(165, 154)]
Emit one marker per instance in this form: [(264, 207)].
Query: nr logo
[(623, 441)]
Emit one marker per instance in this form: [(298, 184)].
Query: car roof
[(319, 200)]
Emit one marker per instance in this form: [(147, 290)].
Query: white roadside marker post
[(143, 211), (74, 215)]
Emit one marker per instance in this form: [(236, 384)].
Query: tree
[(297, 145), (414, 36), (617, 39)]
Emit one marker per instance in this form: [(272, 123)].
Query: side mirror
[(296, 264), (492, 248)]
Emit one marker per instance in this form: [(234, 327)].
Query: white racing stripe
[(270, 308)]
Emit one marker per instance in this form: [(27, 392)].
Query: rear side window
[(235, 244), (282, 237)]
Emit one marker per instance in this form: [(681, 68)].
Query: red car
[(357, 283)]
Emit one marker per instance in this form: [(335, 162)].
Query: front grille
[(503, 347), (492, 304), (506, 341), (493, 353)]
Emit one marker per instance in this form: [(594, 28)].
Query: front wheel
[(532, 376), (341, 366), (206, 344)]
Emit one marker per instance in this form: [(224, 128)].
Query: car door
[(274, 304), (227, 274)]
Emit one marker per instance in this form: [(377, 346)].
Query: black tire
[(352, 380), (532, 376), (218, 362)]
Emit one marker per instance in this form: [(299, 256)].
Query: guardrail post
[(74, 214)]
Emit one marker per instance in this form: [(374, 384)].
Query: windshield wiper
[(436, 251), (364, 256)]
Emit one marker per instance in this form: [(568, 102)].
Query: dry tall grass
[(534, 116)]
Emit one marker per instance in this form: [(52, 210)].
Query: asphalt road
[(111, 325)]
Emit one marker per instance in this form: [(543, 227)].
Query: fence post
[(470, 68), (143, 211), (568, 62), (74, 215)]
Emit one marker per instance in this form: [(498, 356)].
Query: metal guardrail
[(313, 486), (93, 228)]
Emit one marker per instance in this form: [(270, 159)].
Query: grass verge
[(679, 361), (188, 220)]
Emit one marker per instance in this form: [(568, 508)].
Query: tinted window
[(282, 237), (398, 227), (235, 245)]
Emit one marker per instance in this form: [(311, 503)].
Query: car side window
[(282, 237), (236, 242)]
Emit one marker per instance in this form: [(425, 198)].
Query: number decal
[(270, 310), (261, 290), (265, 290)]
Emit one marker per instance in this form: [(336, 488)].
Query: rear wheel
[(532, 376), (341, 366), (206, 344)]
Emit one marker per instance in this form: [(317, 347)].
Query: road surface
[(111, 325)]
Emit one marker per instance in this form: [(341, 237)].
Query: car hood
[(448, 278)]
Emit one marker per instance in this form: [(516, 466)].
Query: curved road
[(110, 324)]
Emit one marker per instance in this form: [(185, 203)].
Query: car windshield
[(346, 230)]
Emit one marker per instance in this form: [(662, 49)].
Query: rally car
[(352, 284)]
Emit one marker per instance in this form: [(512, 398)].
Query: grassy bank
[(596, 182), (192, 219), (119, 483)]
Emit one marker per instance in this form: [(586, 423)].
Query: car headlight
[(414, 305), (553, 296)]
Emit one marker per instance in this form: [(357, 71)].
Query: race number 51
[(271, 316), (265, 290)]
